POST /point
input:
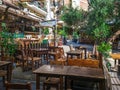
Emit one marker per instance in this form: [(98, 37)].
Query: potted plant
[(63, 35), (8, 46), (105, 48)]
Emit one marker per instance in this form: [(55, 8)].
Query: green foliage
[(7, 41), (116, 24), (73, 17), (100, 33), (104, 48), (100, 12), (70, 16), (62, 32), (46, 31), (75, 35)]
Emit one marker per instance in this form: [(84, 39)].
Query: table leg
[(85, 54), (67, 59), (102, 85), (9, 72), (115, 62), (67, 83), (118, 67), (37, 82), (61, 83), (47, 57)]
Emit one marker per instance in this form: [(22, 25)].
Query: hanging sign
[(49, 23)]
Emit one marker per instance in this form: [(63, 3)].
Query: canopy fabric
[(36, 9), (10, 4), (19, 13)]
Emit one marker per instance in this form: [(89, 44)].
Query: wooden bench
[(84, 63), (80, 84), (107, 78)]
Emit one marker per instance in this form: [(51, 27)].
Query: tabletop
[(2, 63), (115, 55), (9, 69), (74, 52), (52, 69), (95, 74), (87, 72), (71, 71), (40, 49)]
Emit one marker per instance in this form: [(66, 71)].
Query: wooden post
[(101, 60)]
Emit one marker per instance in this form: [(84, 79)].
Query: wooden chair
[(3, 74), (94, 53), (80, 84), (52, 81), (66, 49), (53, 53), (60, 55), (84, 63), (28, 59), (20, 86)]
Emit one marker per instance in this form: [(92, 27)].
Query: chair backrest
[(84, 63), (20, 86), (66, 48), (60, 52), (56, 63)]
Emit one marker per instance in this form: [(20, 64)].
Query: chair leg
[(3, 80), (57, 88), (23, 66), (43, 87)]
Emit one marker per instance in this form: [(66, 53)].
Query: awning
[(20, 13), (10, 4), (36, 9)]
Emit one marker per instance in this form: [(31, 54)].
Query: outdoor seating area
[(59, 66), (59, 45)]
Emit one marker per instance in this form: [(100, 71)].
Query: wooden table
[(81, 48), (87, 74), (116, 56), (8, 66), (54, 54), (72, 53), (41, 51), (72, 72), (50, 71)]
